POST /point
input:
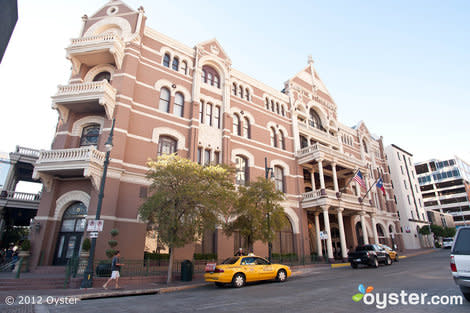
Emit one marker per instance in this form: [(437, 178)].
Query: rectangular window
[(217, 116), (408, 197), (209, 114), (199, 155), (207, 157), (217, 157), (398, 154), (201, 112), (395, 198), (406, 186), (401, 168), (143, 192)]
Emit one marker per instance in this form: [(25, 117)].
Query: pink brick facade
[(296, 130)]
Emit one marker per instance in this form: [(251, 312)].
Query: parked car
[(370, 255), (392, 253), (447, 242), (460, 260), (239, 270)]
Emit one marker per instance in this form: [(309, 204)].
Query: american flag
[(360, 180)]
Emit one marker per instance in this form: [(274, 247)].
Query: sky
[(400, 66)]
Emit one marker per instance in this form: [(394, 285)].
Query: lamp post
[(87, 281), (266, 175)]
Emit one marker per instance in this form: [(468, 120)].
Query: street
[(317, 290)]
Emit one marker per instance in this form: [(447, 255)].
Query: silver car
[(460, 260)]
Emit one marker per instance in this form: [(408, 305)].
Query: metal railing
[(21, 196)]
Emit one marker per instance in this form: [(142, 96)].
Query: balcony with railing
[(99, 49), (66, 163), (319, 151), (317, 198), (22, 200), (319, 135), (89, 97)]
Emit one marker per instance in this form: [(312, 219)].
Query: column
[(326, 220), (364, 229), (374, 227), (320, 171), (317, 233), (312, 172), (335, 178), (342, 237)]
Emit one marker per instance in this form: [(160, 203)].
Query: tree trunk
[(170, 267)]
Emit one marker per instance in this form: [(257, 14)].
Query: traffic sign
[(94, 234), (95, 225)]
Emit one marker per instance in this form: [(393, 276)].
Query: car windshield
[(230, 260), (462, 242)]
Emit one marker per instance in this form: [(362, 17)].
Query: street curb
[(124, 293), (337, 265)]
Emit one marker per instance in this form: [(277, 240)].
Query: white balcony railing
[(97, 49), (20, 196), (89, 154), (319, 150), (71, 97), (320, 135), (27, 151)]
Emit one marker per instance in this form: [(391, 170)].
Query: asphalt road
[(318, 290)]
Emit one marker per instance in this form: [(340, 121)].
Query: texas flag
[(380, 185)]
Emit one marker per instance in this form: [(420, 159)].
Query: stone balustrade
[(89, 153)]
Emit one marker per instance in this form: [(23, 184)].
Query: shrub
[(114, 232), (110, 253), (26, 245), (86, 245), (112, 243), (156, 256)]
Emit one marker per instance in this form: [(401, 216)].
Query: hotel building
[(168, 97)]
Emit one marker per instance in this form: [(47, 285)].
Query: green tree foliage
[(249, 214), (186, 199), (437, 230), (449, 232), (424, 230)]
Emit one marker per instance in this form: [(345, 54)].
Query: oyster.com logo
[(362, 291)]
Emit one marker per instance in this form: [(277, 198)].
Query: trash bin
[(187, 270)]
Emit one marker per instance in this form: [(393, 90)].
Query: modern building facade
[(167, 97), (408, 198), (445, 185)]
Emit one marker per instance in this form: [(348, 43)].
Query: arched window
[(201, 112), (166, 60), (282, 141), (273, 137), (303, 142), (204, 76), (240, 92), (267, 104), (314, 120), (102, 76), (365, 146), (71, 233), (164, 104), (234, 89), (166, 145), (246, 128), (236, 125), (272, 105), (283, 113), (212, 76), (176, 64), (179, 104), (90, 135), (277, 108), (283, 241), (241, 174), (209, 114), (279, 178), (217, 116), (184, 67), (247, 94)]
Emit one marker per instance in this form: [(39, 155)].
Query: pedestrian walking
[(115, 268)]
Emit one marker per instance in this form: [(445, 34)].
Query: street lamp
[(266, 175), (87, 281)]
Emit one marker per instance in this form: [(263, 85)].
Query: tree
[(424, 230), (249, 215), (449, 232), (437, 230), (186, 199)]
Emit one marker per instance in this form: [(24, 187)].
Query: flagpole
[(352, 177), (370, 188)]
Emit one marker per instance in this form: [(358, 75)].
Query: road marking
[(340, 265)]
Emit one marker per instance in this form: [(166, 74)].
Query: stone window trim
[(184, 63), (64, 201), (80, 124), (169, 132), (114, 21), (90, 75)]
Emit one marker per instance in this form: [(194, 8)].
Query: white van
[(447, 242), (460, 260)]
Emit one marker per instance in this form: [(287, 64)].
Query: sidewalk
[(159, 288)]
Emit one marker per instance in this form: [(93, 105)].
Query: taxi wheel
[(388, 261), (281, 276), (238, 280)]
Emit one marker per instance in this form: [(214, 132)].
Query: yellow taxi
[(239, 270), (392, 253)]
